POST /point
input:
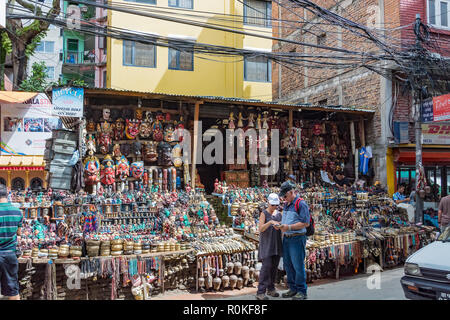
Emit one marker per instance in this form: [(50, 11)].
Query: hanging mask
[(164, 154), (116, 151), (91, 170), (334, 129), (106, 114), (132, 129), (145, 130), (90, 126), (137, 169), (122, 168), (137, 147), (150, 152), (157, 131), (317, 129), (139, 113), (107, 175), (168, 133), (176, 155), (119, 129)]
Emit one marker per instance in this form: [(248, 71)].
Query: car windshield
[(445, 235)]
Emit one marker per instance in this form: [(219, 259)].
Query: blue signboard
[(68, 102), (427, 111)]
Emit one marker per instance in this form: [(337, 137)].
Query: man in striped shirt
[(10, 224)]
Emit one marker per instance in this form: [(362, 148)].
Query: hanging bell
[(230, 267), (245, 272), (216, 283), (225, 281), (240, 283), (238, 268), (233, 281)]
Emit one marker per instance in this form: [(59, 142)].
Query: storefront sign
[(68, 102), (25, 126), (427, 111), (441, 108), (436, 133)]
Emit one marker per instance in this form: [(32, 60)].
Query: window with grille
[(139, 54), (258, 13), (187, 4), (181, 59), (257, 69), (439, 13)]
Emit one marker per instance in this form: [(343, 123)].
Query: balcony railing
[(79, 57)]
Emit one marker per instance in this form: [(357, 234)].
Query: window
[(258, 13), (439, 13), (36, 184), (46, 46), (138, 54), (50, 71), (181, 60), (18, 184), (257, 69), (143, 1), (322, 39), (187, 4)]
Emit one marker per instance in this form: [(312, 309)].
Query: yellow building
[(134, 66)]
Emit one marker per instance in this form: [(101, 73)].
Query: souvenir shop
[(136, 219)]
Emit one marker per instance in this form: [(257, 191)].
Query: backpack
[(310, 229)]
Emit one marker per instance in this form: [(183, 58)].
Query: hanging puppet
[(107, 174)]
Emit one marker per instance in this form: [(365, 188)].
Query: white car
[(427, 271)]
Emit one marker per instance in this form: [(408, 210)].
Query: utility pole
[(418, 78)]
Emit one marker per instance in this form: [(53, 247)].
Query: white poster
[(25, 126)]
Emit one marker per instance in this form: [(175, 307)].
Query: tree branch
[(31, 7)]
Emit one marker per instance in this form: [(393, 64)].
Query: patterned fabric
[(10, 220)]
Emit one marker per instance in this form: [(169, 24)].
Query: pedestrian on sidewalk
[(270, 248), (295, 220), (10, 224), (444, 213)]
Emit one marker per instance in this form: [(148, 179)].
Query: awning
[(22, 163), (16, 96), (428, 156)]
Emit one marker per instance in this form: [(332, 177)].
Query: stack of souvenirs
[(307, 148), (115, 224), (142, 152)]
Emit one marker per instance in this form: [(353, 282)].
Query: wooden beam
[(195, 143), (354, 151), (362, 133)]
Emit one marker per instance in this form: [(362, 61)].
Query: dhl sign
[(436, 133)]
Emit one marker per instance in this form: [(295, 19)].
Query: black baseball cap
[(285, 188)]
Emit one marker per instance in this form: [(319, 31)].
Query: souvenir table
[(351, 227), (87, 235)]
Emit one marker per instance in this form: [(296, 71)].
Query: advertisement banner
[(25, 126), (437, 133), (68, 102), (441, 108)]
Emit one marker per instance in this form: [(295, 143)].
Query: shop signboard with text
[(25, 126), (441, 108), (436, 133), (68, 102)]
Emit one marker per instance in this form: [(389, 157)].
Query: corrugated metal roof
[(219, 99)]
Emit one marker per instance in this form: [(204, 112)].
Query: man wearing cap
[(293, 225), (10, 224), (270, 248)]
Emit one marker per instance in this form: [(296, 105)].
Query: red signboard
[(441, 108)]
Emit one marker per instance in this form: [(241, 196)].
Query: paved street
[(353, 288)]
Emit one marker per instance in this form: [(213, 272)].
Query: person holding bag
[(270, 248)]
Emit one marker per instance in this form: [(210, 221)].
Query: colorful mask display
[(137, 169), (119, 128), (107, 173), (132, 129), (122, 168), (145, 130), (91, 170)]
